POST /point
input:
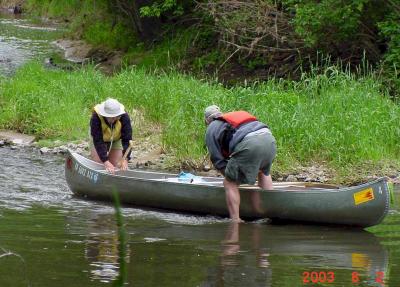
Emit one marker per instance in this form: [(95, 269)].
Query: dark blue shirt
[(97, 135)]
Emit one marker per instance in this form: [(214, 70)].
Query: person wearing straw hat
[(242, 149), (111, 131)]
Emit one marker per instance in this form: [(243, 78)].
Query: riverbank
[(322, 135), (80, 52), (338, 126), (148, 154), (12, 6)]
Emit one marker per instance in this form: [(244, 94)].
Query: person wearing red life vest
[(111, 131), (242, 149)]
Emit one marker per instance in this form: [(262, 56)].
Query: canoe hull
[(333, 206), (363, 205)]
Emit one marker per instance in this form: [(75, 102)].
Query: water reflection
[(102, 248), (11, 262), (301, 254), (237, 263), (83, 244), (231, 254)]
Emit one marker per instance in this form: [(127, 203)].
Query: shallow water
[(48, 237), (22, 40)]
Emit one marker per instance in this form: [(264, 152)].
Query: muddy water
[(22, 40), (48, 237)]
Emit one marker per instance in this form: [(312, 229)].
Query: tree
[(145, 28)]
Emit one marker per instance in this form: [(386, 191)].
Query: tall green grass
[(60, 8), (331, 118), (49, 104), (165, 54)]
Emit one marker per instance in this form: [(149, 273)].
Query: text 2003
[(318, 277), (329, 277)]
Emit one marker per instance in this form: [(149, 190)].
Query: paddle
[(126, 152), (283, 184)]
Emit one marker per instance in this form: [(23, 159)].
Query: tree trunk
[(146, 28)]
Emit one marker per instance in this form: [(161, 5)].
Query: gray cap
[(212, 112)]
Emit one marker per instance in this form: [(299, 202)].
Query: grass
[(333, 119)]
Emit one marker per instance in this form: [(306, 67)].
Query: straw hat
[(110, 108)]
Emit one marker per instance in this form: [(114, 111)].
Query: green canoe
[(363, 205)]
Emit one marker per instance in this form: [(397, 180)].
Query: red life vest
[(235, 119)]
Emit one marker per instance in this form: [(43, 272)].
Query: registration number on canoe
[(364, 196), (91, 175)]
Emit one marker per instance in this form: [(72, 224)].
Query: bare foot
[(237, 220)]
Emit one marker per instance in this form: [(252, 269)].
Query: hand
[(109, 167), (124, 164)]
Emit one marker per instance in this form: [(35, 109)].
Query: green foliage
[(64, 8), (91, 20), (37, 7), (157, 8), (102, 33), (352, 30), (51, 104), (331, 117), (327, 21), (166, 55), (60, 8), (208, 60), (390, 29), (254, 62)]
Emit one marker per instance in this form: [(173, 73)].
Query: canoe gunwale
[(309, 189)]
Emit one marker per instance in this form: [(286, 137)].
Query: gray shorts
[(251, 155)]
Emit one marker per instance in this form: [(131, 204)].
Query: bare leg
[(94, 155), (231, 241), (115, 157), (265, 181), (256, 202), (232, 196)]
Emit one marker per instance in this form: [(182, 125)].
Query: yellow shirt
[(109, 134)]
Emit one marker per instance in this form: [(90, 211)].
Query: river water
[(22, 40), (48, 237)]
